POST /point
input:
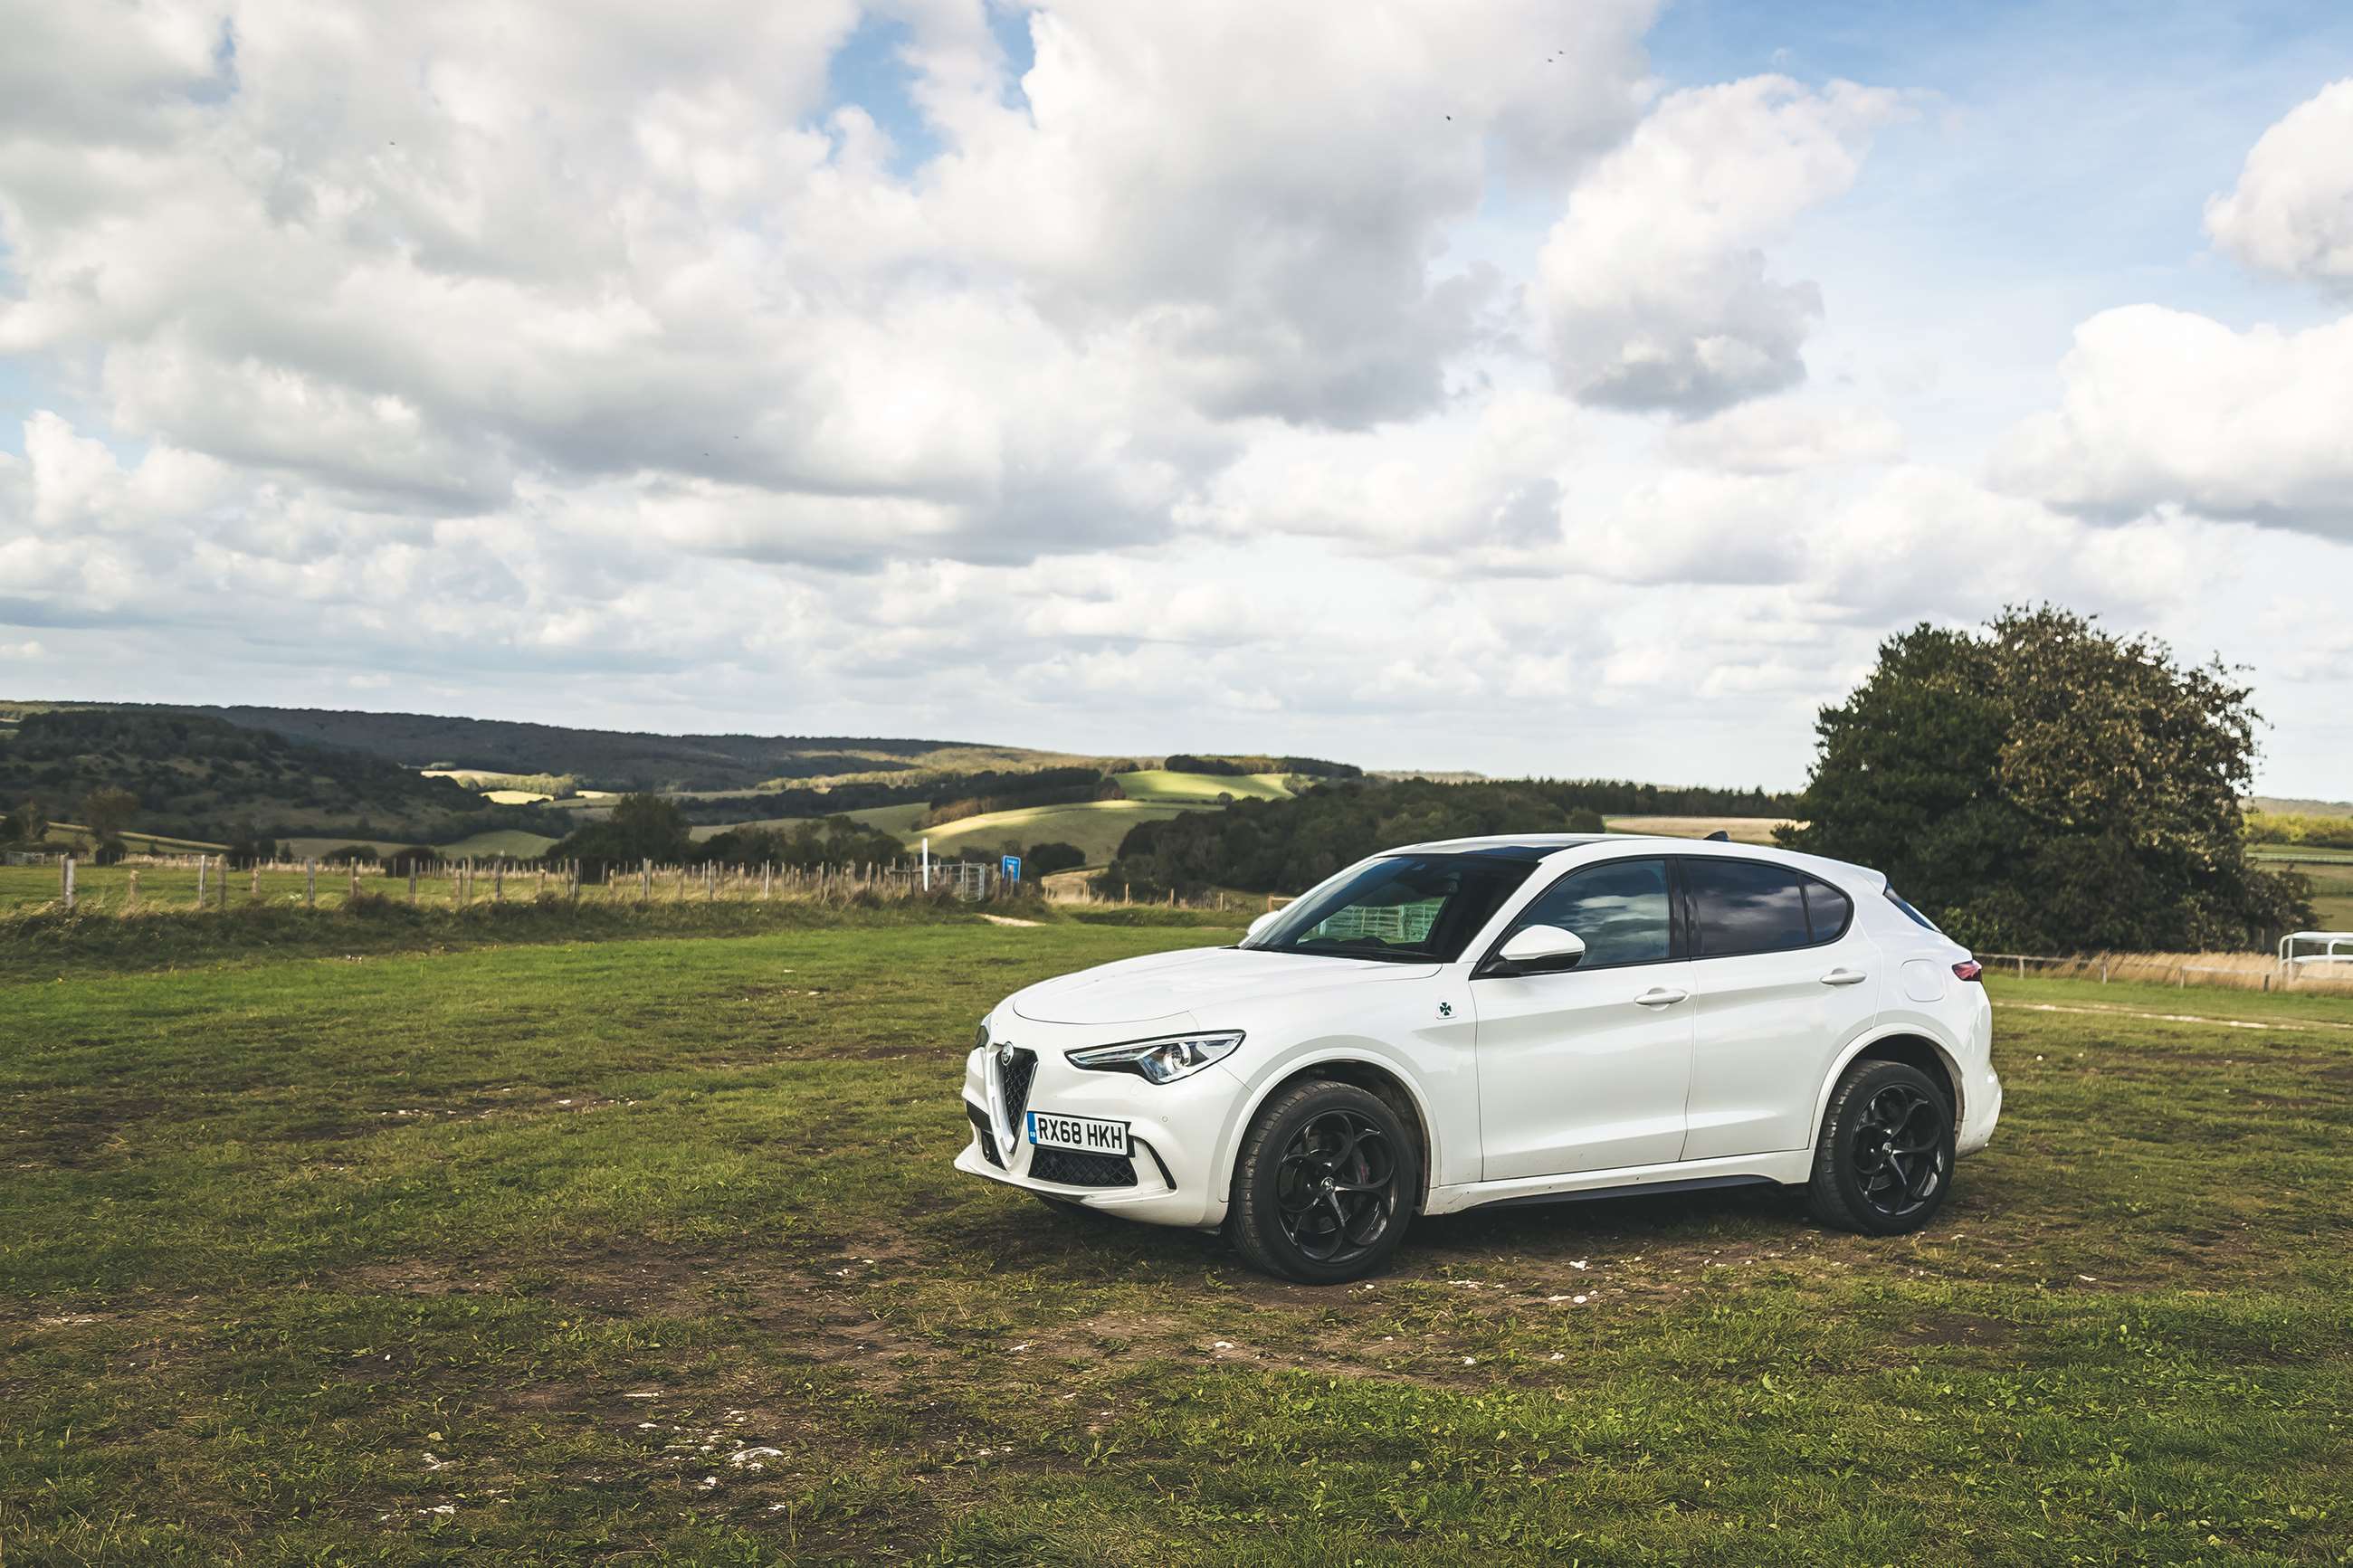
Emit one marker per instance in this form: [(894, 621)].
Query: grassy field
[(512, 842), (1095, 826), (648, 1249), (2331, 874), (1160, 784), (66, 833)]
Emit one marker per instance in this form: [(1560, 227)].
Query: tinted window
[(1744, 906), (1417, 908), (1621, 911), (1828, 910)]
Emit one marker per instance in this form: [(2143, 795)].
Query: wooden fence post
[(767, 869), (499, 881), (200, 881), (253, 893), (66, 874), (131, 900), (646, 882), (353, 891), (310, 884), (412, 884)]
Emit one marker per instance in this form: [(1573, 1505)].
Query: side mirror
[(1260, 923), (1538, 950)]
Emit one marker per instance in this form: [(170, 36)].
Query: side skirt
[(1630, 1190), (1790, 1167)]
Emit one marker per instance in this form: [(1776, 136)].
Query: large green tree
[(641, 827), (2045, 785)]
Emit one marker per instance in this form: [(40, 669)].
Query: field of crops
[(397, 1240)]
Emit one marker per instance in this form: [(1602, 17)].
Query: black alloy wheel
[(1883, 1163), (1336, 1187), (1899, 1145), (1325, 1185)]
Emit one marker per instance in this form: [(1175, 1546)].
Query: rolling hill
[(203, 778)]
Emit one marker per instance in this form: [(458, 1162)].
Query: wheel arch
[(1364, 1069), (1912, 1045)]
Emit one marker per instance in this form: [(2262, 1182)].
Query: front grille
[(1016, 1076), (1072, 1168), (987, 1139)]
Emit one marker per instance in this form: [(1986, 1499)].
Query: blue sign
[(1009, 868)]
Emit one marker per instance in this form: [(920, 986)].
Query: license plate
[(1087, 1134)]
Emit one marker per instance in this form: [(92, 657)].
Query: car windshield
[(1409, 909)]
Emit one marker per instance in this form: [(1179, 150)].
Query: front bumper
[(1177, 1130)]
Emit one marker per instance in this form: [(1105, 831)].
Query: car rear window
[(1744, 906), (1828, 910)]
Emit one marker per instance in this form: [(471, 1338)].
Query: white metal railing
[(2335, 947)]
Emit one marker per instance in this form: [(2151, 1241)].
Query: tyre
[(1884, 1161), (1324, 1185)]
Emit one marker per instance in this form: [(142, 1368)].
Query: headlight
[(1161, 1061)]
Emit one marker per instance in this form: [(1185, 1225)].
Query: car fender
[(1354, 1049), (1887, 1029)]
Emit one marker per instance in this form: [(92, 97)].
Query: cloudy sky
[(1575, 388)]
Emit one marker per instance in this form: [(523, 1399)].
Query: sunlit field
[(395, 1238)]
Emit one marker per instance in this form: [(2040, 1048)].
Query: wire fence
[(2234, 971)]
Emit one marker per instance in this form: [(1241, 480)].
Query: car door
[(1586, 1068), (1782, 979)]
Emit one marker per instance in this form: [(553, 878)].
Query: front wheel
[(1324, 1184), (1885, 1162)]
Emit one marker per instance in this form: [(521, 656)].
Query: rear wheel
[(1885, 1162), (1324, 1184)]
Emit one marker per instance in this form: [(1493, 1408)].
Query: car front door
[(1586, 1068), (1782, 980)]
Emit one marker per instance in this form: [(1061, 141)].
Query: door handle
[(1660, 997), (1844, 976)]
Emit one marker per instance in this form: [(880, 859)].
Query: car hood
[(1210, 983)]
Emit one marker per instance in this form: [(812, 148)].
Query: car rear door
[(1588, 1068), (1782, 979)]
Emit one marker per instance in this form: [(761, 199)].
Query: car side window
[(1828, 910), (1619, 909), (1744, 906)]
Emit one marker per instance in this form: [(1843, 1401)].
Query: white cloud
[(2291, 210), (1653, 289), (2165, 408), (1781, 436)]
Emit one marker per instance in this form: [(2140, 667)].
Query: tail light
[(1967, 969)]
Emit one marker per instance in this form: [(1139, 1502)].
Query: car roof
[(1528, 846), (1534, 848)]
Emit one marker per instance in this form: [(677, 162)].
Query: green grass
[(508, 841), (1160, 784), (1095, 826), (307, 1243)]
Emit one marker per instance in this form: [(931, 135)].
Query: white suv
[(1501, 1021)]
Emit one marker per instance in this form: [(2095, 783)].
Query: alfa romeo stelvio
[(1510, 1020)]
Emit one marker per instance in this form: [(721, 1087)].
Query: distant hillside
[(2282, 806), (203, 778), (602, 758)]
